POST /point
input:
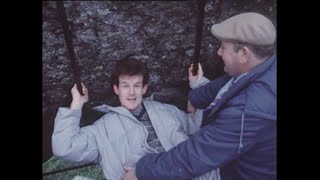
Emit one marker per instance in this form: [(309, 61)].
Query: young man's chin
[(130, 107)]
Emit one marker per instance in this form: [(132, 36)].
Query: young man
[(125, 133), (239, 121)]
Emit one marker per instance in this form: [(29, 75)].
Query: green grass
[(94, 172)]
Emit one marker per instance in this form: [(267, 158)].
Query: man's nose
[(131, 90)]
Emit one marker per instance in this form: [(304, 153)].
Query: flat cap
[(251, 28)]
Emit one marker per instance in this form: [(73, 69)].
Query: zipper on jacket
[(241, 133)]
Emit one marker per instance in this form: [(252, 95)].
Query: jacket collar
[(119, 109)]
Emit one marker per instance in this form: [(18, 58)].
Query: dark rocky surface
[(161, 33)]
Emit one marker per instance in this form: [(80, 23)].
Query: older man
[(238, 133)]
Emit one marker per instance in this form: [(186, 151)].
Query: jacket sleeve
[(194, 122), (197, 83), (202, 96), (211, 147), (184, 120), (69, 141)]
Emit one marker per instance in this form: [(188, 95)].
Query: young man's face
[(130, 91)]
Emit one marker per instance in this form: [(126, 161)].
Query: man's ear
[(116, 89), (145, 87), (245, 55)]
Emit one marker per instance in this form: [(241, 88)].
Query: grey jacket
[(118, 139)]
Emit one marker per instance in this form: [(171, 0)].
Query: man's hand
[(199, 74), (130, 174), (77, 99)]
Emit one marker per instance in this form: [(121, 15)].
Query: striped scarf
[(152, 138)]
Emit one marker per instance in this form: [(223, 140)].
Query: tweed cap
[(251, 28)]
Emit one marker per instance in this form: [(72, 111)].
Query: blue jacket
[(238, 136)]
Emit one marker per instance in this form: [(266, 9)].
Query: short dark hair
[(260, 51), (130, 66)]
